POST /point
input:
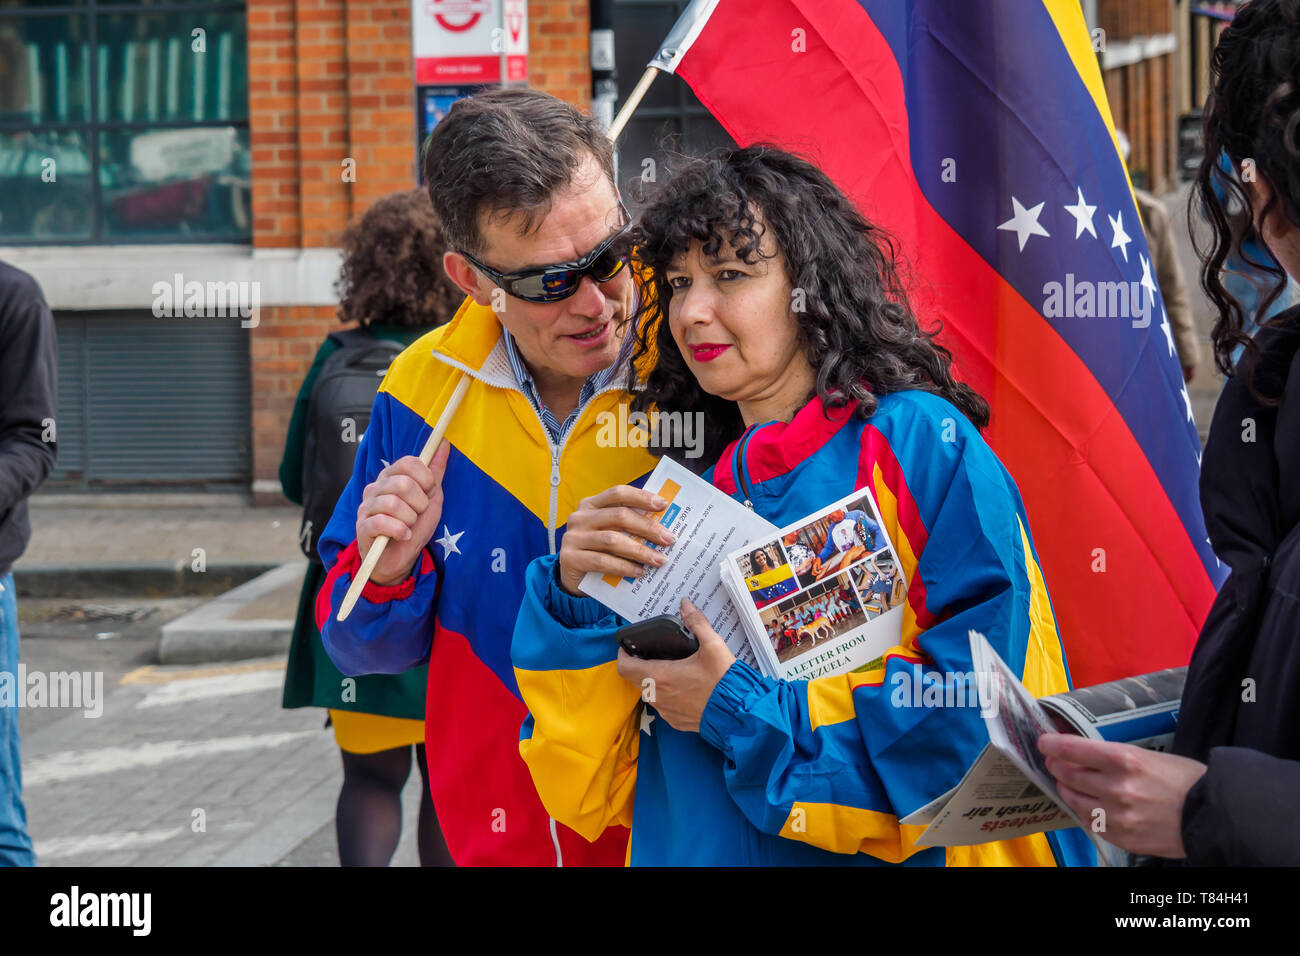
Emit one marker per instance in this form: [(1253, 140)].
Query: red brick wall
[(331, 80), (559, 41), (273, 122)]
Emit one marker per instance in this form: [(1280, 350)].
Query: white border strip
[(122, 277)]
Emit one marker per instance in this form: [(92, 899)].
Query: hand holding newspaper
[(1008, 791)]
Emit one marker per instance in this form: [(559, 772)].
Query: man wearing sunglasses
[(523, 186)]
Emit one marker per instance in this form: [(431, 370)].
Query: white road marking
[(55, 847), (160, 674), (74, 764), (184, 691)]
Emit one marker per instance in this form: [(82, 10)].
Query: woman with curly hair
[(392, 286), (778, 313), (1226, 796)]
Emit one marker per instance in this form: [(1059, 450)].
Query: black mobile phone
[(662, 638)]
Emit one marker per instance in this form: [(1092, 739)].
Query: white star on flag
[(1122, 238), (1024, 223), (1165, 328), (1187, 399), (1082, 214), (448, 542), (1147, 282), (647, 719)]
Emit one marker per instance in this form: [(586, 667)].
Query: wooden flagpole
[(633, 101), (377, 546)]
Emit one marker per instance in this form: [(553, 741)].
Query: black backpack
[(338, 413)]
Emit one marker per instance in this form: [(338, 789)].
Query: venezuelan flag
[(770, 585), (979, 135)]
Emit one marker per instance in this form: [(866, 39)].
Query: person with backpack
[(392, 284)]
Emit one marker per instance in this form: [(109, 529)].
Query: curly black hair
[(1252, 113), (856, 326), (392, 266)]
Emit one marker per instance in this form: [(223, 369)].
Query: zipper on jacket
[(553, 513), (555, 497), (554, 506), (556, 452), (555, 839)]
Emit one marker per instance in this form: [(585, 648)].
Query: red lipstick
[(707, 351)]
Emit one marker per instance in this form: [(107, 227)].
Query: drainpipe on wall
[(604, 78)]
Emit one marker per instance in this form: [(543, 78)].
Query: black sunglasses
[(559, 281)]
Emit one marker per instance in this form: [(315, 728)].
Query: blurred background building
[(165, 142), (1155, 60)]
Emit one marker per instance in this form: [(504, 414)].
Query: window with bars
[(123, 122)]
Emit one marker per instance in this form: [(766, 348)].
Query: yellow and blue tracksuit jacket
[(507, 493), (821, 771)]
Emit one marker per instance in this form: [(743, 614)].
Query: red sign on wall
[(463, 41)]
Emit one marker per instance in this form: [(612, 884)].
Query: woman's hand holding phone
[(605, 533)]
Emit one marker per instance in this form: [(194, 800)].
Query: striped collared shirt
[(594, 383)]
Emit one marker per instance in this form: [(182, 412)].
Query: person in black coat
[(1229, 793), (28, 395)]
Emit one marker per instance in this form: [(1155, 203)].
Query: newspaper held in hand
[(1008, 791)]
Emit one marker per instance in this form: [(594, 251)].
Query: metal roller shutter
[(145, 401)]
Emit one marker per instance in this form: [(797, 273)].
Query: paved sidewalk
[(187, 765), (190, 766), (159, 529), (245, 560)]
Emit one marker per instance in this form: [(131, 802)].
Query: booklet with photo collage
[(823, 595)]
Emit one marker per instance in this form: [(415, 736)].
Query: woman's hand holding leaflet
[(604, 535)]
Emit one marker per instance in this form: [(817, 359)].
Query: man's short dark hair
[(506, 152)]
